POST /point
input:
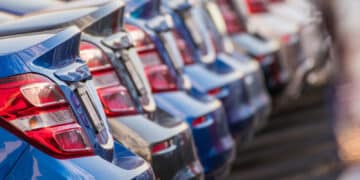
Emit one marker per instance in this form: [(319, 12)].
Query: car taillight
[(214, 92), (35, 108), (198, 121), (183, 48), (256, 6), (160, 146), (113, 94), (231, 18), (157, 72)]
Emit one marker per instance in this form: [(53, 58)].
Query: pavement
[(297, 144)]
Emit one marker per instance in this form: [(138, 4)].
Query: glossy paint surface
[(224, 73), (54, 55)]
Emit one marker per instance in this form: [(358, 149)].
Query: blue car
[(135, 121), (52, 122), (163, 66), (246, 96)]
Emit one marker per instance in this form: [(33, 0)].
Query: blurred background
[(317, 137)]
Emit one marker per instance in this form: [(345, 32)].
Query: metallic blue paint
[(48, 55), (214, 143), (219, 74)]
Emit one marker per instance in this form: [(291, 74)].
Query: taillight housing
[(158, 73), (183, 48), (113, 94), (161, 146), (198, 122), (214, 92), (34, 107), (231, 17), (256, 6)]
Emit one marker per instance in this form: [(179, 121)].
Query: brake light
[(160, 147), (183, 48), (214, 92), (198, 121), (113, 94), (35, 108), (157, 72), (231, 18), (256, 6), (286, 39)]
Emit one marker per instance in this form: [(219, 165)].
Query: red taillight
[(160, 147), (157, 72), (161, 78), (214, 92), (198, 121), (113, 95), (285, 39), (36, 109), (183, 48), (231, 18), (256, 6)]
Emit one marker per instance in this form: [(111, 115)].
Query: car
[(246, 94), (286, 34), (51, 119), (164, 69), (237, 40), (125, 94), (314, 36)]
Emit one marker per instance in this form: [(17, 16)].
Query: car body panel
[(119, 127), (212, 156), (11, 149), (187, 107), (55, 56), (228, 71), (36, 164)]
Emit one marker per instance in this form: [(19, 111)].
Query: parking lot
[(297, 144)]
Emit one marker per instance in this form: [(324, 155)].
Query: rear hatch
[(45, 60), (54, 54)]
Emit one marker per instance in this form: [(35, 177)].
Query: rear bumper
[(36, 164), (213, 139), (139, 134), (217, 170)]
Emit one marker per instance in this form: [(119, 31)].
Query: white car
[(314, 38)]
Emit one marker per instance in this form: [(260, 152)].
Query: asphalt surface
[(297, 144)]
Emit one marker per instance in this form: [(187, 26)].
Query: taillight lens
[(113, 94), (198, 121), (35, 108), (231, 18), (160, 147), (214, 92), (158, 74), (256, 6), (183, 48)]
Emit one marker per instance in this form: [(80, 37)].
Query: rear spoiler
[(50, 49), (81, 14)]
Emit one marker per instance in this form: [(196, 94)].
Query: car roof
[(80, 14), (21, 7)]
